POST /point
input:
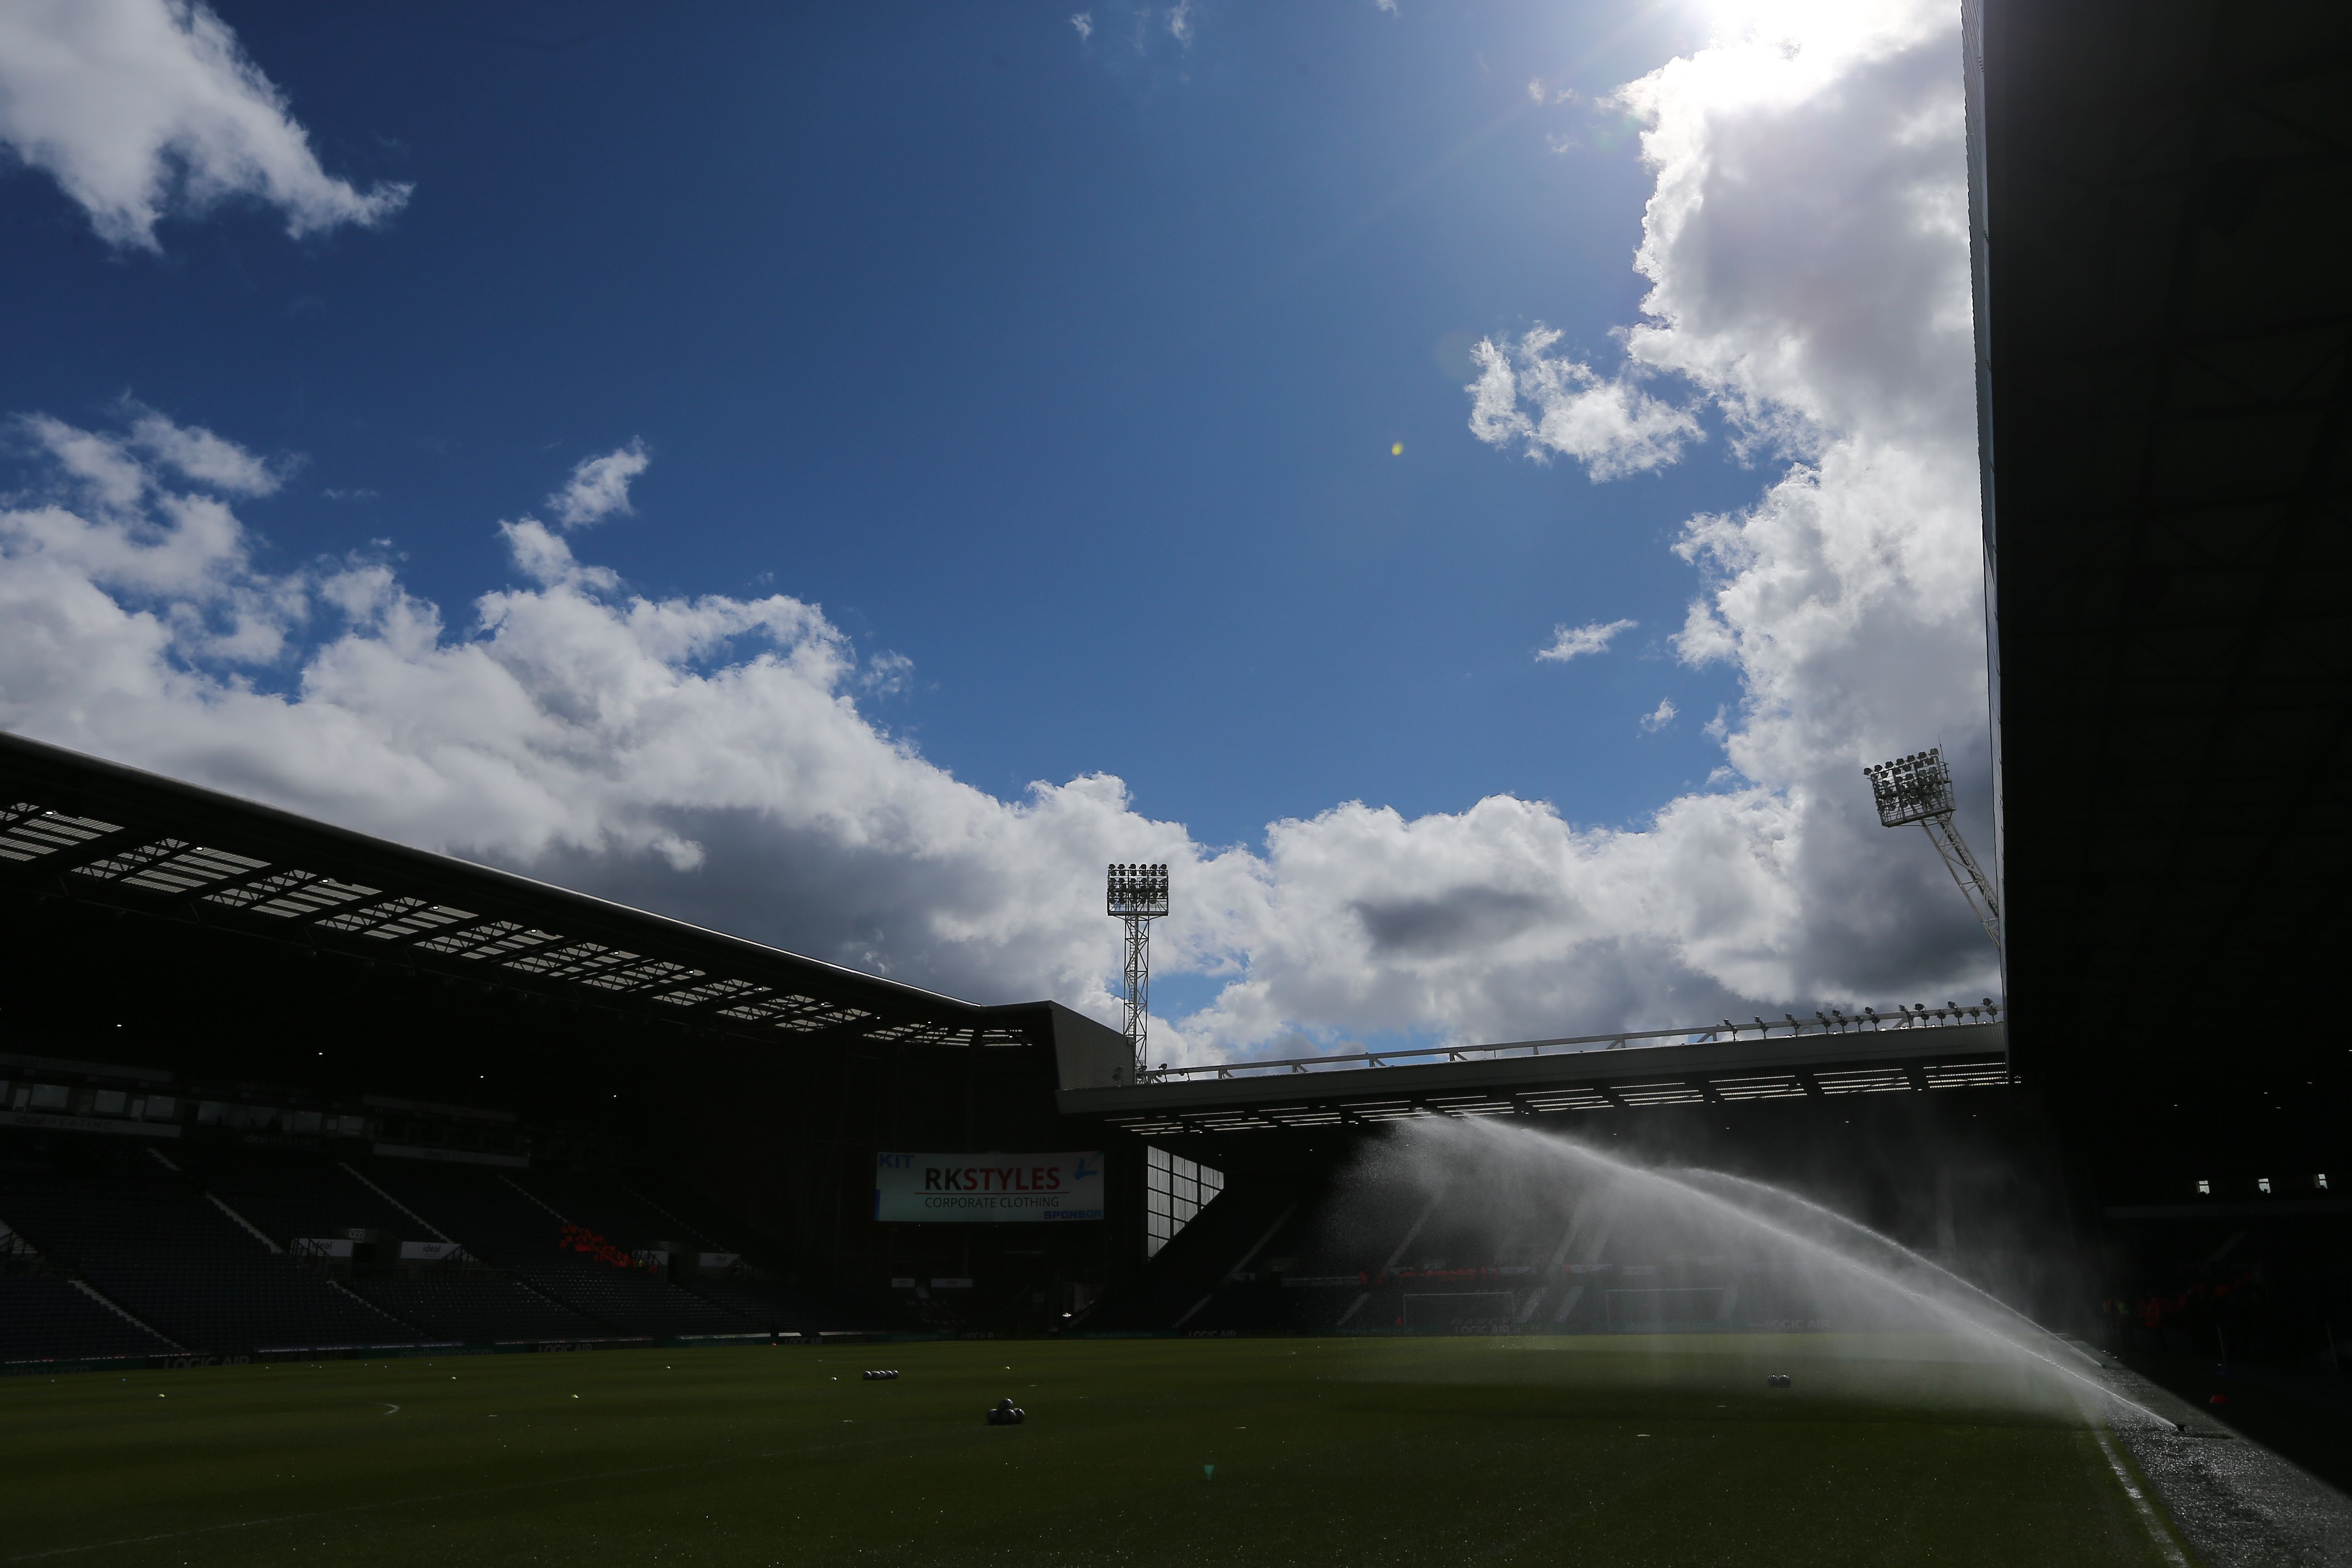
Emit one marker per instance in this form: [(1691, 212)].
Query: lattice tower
[(1918, 788), (1137, 895)]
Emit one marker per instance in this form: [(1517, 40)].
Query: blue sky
[(1115, 377), (1070, 371)]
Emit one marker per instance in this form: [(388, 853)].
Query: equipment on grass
[(1777, 1380), (881, 1376), (1007, 1414)]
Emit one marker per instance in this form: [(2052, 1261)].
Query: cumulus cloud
[(141, 108), (1575, 641), (599, 486), (721, 758), (203, 457), (1659, 717), (1807, 256), (1815, 284), (1526, 396)]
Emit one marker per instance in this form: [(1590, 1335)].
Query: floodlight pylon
[(1918, 788), (1137, 895)]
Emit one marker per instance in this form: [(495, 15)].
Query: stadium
[(360, 1204)]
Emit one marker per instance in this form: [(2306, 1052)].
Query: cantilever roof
[(95, 831), (1497, 1081)]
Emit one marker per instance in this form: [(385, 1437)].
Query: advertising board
[(987, 1189)]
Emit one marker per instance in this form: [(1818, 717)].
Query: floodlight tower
[(1138, 895), (1918, 788)]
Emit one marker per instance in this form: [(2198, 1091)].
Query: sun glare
[(1799, 24)]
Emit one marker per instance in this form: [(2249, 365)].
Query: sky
[(1467, 486)]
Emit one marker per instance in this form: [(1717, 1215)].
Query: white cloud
[(1084, 21), (1814, 282), (1659, 717), (1807, 258), (1179, 22), (201, 456), (1575, 641), (121, 470), (143, 108), (712, 756), (599, 486), (1609, 424)]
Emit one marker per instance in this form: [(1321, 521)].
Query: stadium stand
[(475, 1307), (49, 1319), (502, 1221), (768, 1303), (752, 1296), (290, 1194), (138, 1231), (330, 1033), (1190, 1283), (227, 1247)]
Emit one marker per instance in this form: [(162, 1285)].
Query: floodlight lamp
[(1136, 892), (1911, 788)]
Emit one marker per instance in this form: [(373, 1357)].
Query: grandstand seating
[(501, 1220), (633, 1302), (146, 1235), (635, 1220), (771, 1304), (1265, 1257), (111, 1236), (477, 1307), (292, 1194), (44, 1318)]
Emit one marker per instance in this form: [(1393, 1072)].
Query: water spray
[(1920, 1260), (1853, 1269)]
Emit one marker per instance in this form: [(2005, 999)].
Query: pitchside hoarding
[(987, 1189)]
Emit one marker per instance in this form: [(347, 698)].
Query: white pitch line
[(2164, 1542)]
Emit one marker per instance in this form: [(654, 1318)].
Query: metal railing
[(1787, 1026)]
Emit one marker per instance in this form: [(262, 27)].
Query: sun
[(1797, 21)]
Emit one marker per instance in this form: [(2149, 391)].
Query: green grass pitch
[(1620, 1450)]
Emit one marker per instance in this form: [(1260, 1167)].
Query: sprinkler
[(1007, 1414)]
